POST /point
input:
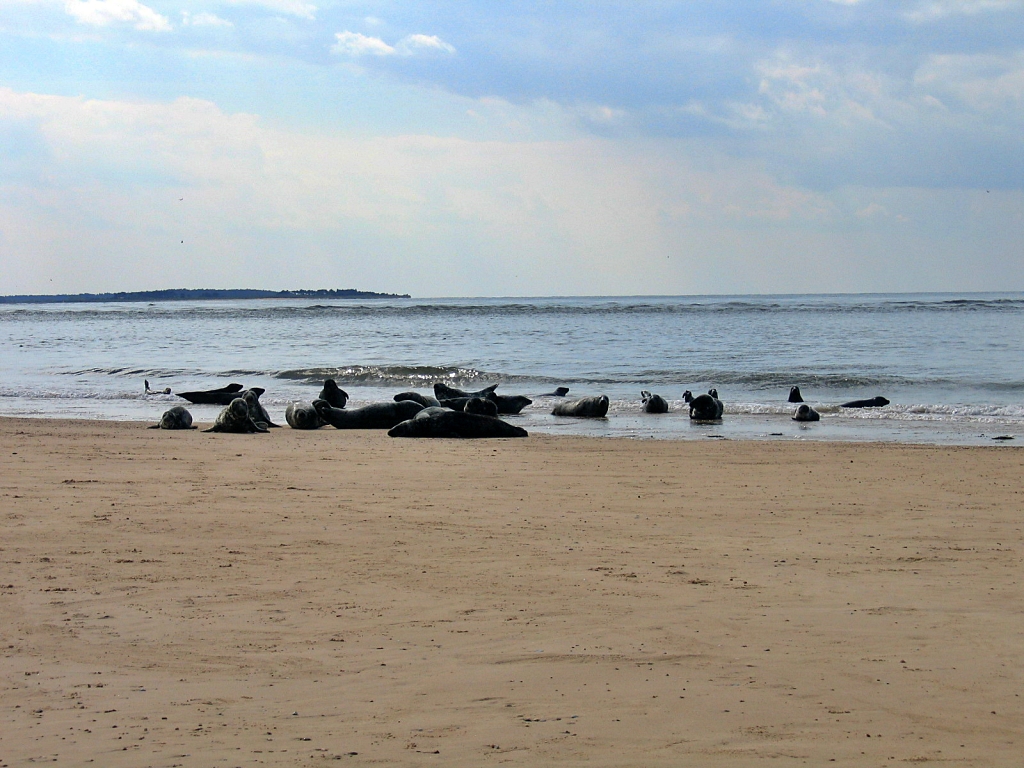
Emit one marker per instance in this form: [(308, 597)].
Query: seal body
[(559, 392), (874, 402), (509, 404), (256, 410), (653, 403), (593, 407), (706, 408), (481, 406), (236, 418), (150, 391), (373, 416), (687, 396), (302, 416), (333, 394), (443, 422), (804, 412), (794, 395), (425, 400), (175, 418), (443, 392), (222, 396)]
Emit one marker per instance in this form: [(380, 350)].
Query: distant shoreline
[(196, 294)]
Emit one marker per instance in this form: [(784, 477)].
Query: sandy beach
[(300, 598)]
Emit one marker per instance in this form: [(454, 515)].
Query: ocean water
[(952, 364)]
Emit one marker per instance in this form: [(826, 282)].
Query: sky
[(512, 149)]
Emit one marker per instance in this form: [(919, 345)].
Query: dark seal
[(509, 404), (794, 395), (559, 392), (443, 422), (333, 394), (593, 407), (481, 406), (443, 392), (302, 416), (149, 391), (222, 396), (425, 400), (706, 408), (236, 418), (175, 418), (653, 403), (873, 402), (804, 412), (256, 410), (373, 416)]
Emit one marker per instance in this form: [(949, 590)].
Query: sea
[(952, 365)]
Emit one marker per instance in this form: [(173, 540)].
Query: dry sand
[(297, 598)]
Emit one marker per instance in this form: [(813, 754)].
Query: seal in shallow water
[(804, 412), (794, 395), (443, 392), (222, 396), (302, 416), (164, 391), (653, 403), (706, 408), (443, 422), (509, 404), (235, 418), (333, 394), (873, 402), (175, 418), (593, 407), (559, 392), (373, 416)]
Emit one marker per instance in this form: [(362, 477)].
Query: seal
[(256, 410), (373, 416), (593, 407), (706, 408), (804, 412), (687, 396), (333, 394), (443, 392), (425, 400), (874, 402), (653, 403), (509, 404), (222, 396), (794, 395), (443, 422), (175, 418), (302, 416), (559, 392), (481, 406), (164, 391), (236, 418)]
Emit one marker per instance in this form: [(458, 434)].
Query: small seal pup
[(443, 392), (653, 403), (164, 391), (372, 416), (794, 395), (593, 407), (236, 418), (302, 416), (425, 400), (804, 412), (443, 422), (873, 402), (333, 394), (706, 408), (175, 418)]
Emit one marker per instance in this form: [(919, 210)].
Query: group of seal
[(805, 412)]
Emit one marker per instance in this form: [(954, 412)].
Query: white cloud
[(100, 13), (298, 8), (203, 20), (932, 10), (356, 44), (983, 83)]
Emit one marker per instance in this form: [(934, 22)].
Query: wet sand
[(297, 598)]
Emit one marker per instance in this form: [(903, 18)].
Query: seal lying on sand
[(425, 400), (653, 403), (443, 392), (874, 402), (593, 407), (794, 395), (222, 396), (236, 418), (164, 391), (373, 416), (302, 416), (333, 394), (481, 406), (256, 410), (706, 408), (443, 422), (175, 418), (804, 412)]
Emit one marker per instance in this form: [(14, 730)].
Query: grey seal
[(509, 404), (443, 392), (443, 422), (481, 406), (794, 395), (874, 402), (706, 408), (302, 416), (164, 391), (593, 407), (804, 412), (235, 418), (559, 392), (222, 396), (653, 403), (373, 416), (425, 400), (175, 418), (333, 394), (256, 410)]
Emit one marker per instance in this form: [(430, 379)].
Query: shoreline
[(171, 598)]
